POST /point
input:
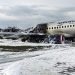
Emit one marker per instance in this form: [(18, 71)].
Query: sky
[(29, 13)]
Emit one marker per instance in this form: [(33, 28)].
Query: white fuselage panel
[(65, 29)]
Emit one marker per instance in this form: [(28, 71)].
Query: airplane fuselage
[(66, 29)]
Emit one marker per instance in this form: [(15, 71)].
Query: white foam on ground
[(49, 62)]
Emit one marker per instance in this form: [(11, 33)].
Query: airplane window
[(54, 27), (47, 28), (65, 26), (73, 25), (70, 25), (62, 26), (57, 27)]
